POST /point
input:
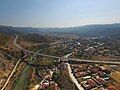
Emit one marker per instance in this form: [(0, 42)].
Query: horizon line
[(59, 26)]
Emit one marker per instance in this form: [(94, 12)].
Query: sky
[(58, 13)]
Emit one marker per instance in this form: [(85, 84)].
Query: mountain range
[(87, 30)]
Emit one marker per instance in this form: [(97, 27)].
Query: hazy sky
[(58, 13)]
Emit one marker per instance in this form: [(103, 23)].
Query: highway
[(64, 58)]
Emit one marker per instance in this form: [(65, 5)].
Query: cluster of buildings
[(49, 85), (91, 76), (46, 80)]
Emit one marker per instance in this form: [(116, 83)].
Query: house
[(95, 69), (80, 74), (52, 85), (91, 83), (100, 81), (100, 73), (77, 70), (85, 85), (102, 68)]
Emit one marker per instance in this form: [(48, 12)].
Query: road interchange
[(64, 58)]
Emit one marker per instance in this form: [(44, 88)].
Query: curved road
[(70, 59)]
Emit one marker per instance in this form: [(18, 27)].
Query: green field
[(23, 80), (22, 83)]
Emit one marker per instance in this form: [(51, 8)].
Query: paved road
[(11, 74), (70, 59), (72, 76)]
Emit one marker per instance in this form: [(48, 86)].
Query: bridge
[(63, 58)]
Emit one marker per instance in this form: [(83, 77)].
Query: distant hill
[(98, 30), (37, 38), (8, 30), (88, 30)]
